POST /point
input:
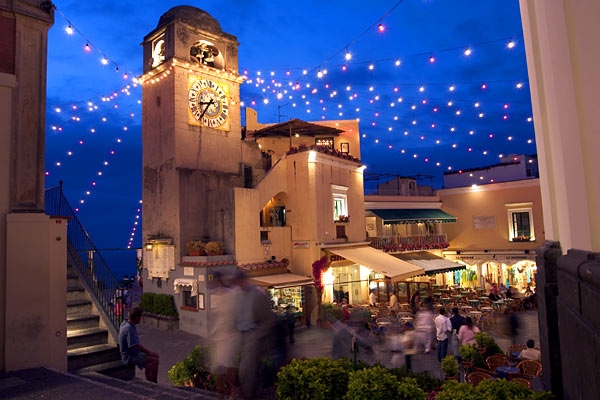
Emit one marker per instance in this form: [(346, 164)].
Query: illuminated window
[(520, 223), (340, 203)]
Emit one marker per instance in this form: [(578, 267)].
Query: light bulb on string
[(381, 28), (69, 30), (87, 47), (348, 55)]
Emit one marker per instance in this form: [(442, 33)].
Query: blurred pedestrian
[(226, 339), (257, 323), (425, 328)]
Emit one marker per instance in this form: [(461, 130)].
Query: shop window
[(188, 299), (520, 222), (264, 237)]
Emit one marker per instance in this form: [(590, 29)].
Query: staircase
[(90, 345)]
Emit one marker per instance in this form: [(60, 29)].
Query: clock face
[(209, 103)]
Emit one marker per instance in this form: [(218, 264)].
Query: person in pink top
[(466, 334)]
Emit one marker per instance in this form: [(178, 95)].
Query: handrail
[(85, 257)]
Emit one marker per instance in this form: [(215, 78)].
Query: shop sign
[(301, 244)]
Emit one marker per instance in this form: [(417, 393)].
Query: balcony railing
[(394, 244)]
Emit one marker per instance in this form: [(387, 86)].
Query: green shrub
[(452, 390), (374, 383), (467, 352), (489, 389), (147, 301), (502, 389), (410, 389), (193, 370), (449, 365), (162, 304), (316, 379), (424, 379), (330, 312)]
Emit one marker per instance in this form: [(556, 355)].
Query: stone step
[(150, 390), (114, 369), (76, 292), (78, 307), (83, 357), (78, 338), (82, 321)]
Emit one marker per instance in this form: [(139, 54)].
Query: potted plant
[(329, 314), (467, 353), (482, 340), (214, 248), (194, 248), (450, 367)]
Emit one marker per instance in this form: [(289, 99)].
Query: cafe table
[(504, 370), (474, 303), (486, 308), (484, 298), (498, 304)]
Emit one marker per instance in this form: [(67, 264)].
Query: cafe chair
[(530, 368), (475, 377), (523, 381), (514, 348), (496, 360)]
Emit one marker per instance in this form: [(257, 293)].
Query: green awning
[(413, 216)]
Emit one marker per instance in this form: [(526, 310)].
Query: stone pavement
[(173, 346)]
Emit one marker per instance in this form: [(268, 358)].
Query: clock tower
[(193, 152)]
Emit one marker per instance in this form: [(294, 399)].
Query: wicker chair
[(514, 348), (475, 377), (530, 368), (496, 360), (523, 381)]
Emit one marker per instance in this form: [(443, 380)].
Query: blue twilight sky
[(425, 105)]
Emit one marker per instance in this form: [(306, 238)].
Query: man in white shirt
[(373, 298), (530, 353), (394, 302), (443, 327)]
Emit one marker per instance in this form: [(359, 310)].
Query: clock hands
[(208, 104)]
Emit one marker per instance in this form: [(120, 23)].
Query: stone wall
[(568, 301)]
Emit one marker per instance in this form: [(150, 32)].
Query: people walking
[(443, 328)]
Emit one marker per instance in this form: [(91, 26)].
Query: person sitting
[(466, 334), (530, 353), (494, 295), (132, 351)]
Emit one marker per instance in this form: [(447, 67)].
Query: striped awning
[(192, 283), (413, 216), (430, 263)]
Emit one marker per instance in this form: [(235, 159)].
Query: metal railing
[(85, 257), (410, 243)]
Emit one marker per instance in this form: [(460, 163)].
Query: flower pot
[(451, 377), (194, 253), (468, 364), (482, 350)]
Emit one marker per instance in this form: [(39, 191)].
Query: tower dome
[(192, 16)]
